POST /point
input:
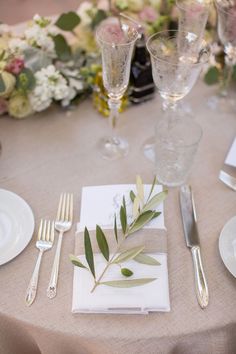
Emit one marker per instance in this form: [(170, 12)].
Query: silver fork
[(63, 223), (44, 243), (227, 179)]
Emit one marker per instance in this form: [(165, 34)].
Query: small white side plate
[(16, 225), (227, 245)]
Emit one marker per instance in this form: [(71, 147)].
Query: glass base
[(113, 148), (149, 149), (224, 104)]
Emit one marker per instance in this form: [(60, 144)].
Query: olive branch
[(142, 214)]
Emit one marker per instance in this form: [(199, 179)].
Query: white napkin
[(231, 156), (97, 207)]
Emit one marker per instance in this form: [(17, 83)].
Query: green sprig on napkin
[(143, 212)]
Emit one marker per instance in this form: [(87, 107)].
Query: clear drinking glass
[(193, 15), (176, 64), (116, 40), (227, 34), (192, 18)]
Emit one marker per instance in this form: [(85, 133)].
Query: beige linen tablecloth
[(54, 152)]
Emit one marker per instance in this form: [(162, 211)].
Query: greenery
[(143, 213)]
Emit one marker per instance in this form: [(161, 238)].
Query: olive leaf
[(75, 260), (136, 206), (145, 259), (128, 283), (126, 272), (132, 196), (89, 251), (152, 187), (68, 21), (115, 228), (102, 242), (142, 220), (128, 254), (155, 201), (123, 219), (140, 188)]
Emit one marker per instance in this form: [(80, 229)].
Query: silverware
[(63, 223), (44, 243), (192, 240), (227, 179)]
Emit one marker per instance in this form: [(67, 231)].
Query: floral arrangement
[(57, 60)]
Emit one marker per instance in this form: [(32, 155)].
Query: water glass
[(176, 144)]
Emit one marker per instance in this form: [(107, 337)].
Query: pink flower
[(3, 106), (148, 14), (15, 66)]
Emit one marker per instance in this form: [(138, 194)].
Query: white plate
[(16, 225), (226, 247)]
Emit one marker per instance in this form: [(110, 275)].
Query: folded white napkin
[(231, 156), (97, 207)]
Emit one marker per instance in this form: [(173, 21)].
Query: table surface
[(56, 151)]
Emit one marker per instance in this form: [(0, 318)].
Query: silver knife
[(192, 240)]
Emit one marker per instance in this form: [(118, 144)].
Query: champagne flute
[(116, 40)]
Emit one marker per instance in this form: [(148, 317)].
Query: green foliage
[(212, 76), (89, 251), (75, 260), (25, 81), (68, 21), (126, 272), (102, 242), (128, 283), (62, 48), (99, 17), (2, 84)]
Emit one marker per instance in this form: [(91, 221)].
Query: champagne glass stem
[(114, 105)]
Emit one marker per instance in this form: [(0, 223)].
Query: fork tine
[(67, 207), (43, 234), (59, 207), (52, 232), (40, 229), (48, 231), (71, 208), (63, 207)]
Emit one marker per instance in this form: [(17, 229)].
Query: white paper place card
[(100, 203), (231, 156), (98, 206)]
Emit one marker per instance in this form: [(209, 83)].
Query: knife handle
[(200, 279)]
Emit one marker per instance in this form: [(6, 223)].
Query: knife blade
[(189, 219)]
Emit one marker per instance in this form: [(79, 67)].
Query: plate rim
[(30, 211), (220, 241)]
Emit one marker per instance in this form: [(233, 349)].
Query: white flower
[(37, 36), (71, 94), (50, 85), (230, 58), (83, 10), (17, 45)]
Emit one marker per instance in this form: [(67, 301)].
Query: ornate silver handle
[(200, 279), (32, 288), (52, 287)]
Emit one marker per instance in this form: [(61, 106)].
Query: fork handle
[(52, 287), (32, 287)]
